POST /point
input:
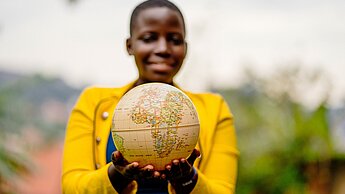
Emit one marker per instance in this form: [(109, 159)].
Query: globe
[(155, 123)]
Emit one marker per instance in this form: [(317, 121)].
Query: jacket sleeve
[(79, 172), (218, 169)]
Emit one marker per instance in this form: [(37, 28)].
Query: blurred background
[(279, 64)]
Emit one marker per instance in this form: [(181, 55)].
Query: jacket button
[(98, 139), (105, 115)]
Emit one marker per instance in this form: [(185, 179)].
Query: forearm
[(87, 181)]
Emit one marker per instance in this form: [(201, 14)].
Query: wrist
[(186, 185)]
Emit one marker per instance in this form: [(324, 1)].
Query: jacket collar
[(124, 89)]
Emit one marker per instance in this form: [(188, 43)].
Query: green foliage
[(11, 162), (24, 101), (277, 134), (11, 165)]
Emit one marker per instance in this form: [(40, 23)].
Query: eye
[(148, 37), (176, 39)]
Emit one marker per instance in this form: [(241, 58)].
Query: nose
[(163, 48)]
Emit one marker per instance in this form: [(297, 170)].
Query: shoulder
[(210, 106), (96, 91), (93, 95), (206, 97), (207, 102)]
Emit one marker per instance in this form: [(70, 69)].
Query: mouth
[(161, 67)]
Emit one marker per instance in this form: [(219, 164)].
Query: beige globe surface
[(155, 123)]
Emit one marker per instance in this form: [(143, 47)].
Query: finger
[(163, 176), (146, 171), (175, 169), (167, 171), (131, 170), (147, 168), (132, 166), (168, 167), (193, 156), (186, 168), (156, 174)]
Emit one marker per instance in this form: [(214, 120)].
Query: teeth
[(160, 64)]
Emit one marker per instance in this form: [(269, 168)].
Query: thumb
[(118, 159), (193, 156)]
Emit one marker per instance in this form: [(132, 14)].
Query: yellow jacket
[(84, 159)]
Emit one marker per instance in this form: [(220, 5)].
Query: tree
[(11, 162), (278, 135)]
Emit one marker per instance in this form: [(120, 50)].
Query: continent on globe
[(155, 123)]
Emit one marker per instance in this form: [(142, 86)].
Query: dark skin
[(158, 46)]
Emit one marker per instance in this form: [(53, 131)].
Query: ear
[(129, 46)]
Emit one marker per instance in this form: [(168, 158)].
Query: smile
[(161, 67)]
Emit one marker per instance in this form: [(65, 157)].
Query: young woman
[(91, 163)]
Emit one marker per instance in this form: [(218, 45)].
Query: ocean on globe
[(155, 123)]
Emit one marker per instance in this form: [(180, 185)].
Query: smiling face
[(158, 44)]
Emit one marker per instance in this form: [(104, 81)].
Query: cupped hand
[(181, 173), (132, 170), (122, 173), (180, 168)]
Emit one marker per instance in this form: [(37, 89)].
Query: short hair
[(153, 4)]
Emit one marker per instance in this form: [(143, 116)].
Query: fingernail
[(149, 167), (135, 164), (156, 174)]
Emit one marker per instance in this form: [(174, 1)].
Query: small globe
[(155, 123)]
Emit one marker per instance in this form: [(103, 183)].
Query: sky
[(84, 42)]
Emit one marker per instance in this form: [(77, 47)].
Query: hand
[(122, 173), (181, 173)]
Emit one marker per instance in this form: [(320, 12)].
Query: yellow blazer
[(84, 158)]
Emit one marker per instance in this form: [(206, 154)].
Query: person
[(91, 163)]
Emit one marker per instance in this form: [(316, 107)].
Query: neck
[(141, 81)]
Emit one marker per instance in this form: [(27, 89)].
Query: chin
[(161, 81), (161, 78), (167, 81)]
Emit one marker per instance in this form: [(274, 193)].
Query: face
[(157, 44)]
